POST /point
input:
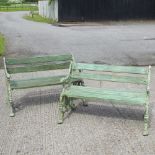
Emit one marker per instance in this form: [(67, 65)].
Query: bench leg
[(71, 104), (65, 104), (10, 101), (146, 119), (84, 103), (61, 110)]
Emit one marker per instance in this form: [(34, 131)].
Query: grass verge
[(38, 18), (18, 9), (2, 44)]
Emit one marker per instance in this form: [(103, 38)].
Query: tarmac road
[(127, 43)]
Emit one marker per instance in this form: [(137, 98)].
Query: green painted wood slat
[(33, 68), (38, 59), (111, 68), (91, 93), (36, 82), (112, 78)]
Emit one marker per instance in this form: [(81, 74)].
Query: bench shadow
[(32, 98), (112, 111)]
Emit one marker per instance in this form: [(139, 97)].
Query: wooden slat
[(111, 68), (38, 59), (113, 78), (36, 82), (33, 68), (121, 96)]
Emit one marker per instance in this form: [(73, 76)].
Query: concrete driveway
[(117, 43)]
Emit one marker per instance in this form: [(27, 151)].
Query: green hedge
[(2, 44), (18, 7)]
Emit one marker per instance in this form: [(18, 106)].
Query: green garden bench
[(119, 74), (33, 64)]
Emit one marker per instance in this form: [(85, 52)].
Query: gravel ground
[(112, 43), (99, 129)]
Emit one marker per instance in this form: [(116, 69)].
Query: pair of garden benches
[(73, 83)]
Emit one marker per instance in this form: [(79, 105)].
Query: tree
[(3, 1)]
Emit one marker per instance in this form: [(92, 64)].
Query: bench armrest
[(149, 76), (66, 79), (5, 69)]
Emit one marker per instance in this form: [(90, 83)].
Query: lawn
[(18, 7), (38, 18), (2, 44)]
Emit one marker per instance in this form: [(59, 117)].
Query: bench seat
[(36, 82), (121, 96)]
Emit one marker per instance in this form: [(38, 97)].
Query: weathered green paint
[(113, 78), (125, 96), (33, 64), (89, 93), (111, 68), (34, 68), (8, 90), (36, 82), (146, 113), (38, 59)]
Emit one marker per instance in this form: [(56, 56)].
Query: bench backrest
[(140, 75), (39, 63)]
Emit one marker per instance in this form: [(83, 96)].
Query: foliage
[(50, 1), (18, 7), (31, 1), (38, 18), (3, 1), (2, 44), (15, 1)]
